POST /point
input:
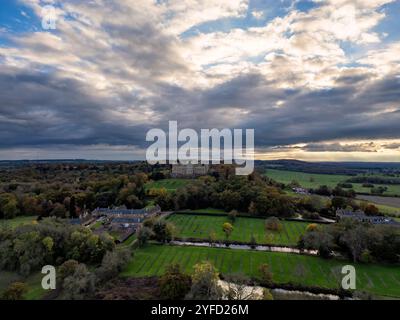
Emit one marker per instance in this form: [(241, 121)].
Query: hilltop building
[(189, 170)]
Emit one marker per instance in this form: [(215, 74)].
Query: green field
[(313, 181), (210, 211), (168, 184), (35, 290), (200, 227), (294, 268), (13, 223)]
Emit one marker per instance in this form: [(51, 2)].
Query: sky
[(317, 80)]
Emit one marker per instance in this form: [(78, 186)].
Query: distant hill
[(348, 168)]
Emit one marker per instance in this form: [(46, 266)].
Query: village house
[(362, 217)]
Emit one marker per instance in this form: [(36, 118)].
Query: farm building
[(362, 217), (122, 218), (126, 213)]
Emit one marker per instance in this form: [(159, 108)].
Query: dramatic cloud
[(321, 80)]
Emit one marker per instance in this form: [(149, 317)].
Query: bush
[(15, 291), (273, 224), (205, 283), (267, 295), (232, 216), (312, 227), (144, 234), (174, 284), (265, 274)]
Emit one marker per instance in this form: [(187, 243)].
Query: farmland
[(168, 184), (313, 181), (18, 221), (200, 227), (297, 269)]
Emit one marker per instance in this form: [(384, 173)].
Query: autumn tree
[(228, 229), (174, 284)]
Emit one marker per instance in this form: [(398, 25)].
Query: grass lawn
[(200, 227), (168, 184), (311, 180), (208, 211), (18, 221), (298, 269), (34, 283), (307, 180)]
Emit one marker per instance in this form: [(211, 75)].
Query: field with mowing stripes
[(200, 227), (168, 184), (297, 269)]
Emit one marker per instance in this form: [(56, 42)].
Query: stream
[(246, 247)]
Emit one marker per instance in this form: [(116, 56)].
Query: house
[(189, 170), (301, 191), (122, 218), (362, 217), (84, 219), (127, 213)]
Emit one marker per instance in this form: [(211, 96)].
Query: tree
[(312, 227), (174, 284), (229, 199), (339, 202), (112, 264), (273, 224), (232, 215), (59, 211), (10, 209), (267, 295), (253, 242), (144, 235), (265, 274), (79, 285), (15, 291), (371, 210), (240, 288), (354, 239), (72, 208), (228, 229), (317, 240), (205, 283), (212, 238), (67, 269), (163, 231), (165, 200)]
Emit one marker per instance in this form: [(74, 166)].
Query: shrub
[(265, 274), (273, 224), (312, 227), (232, 216), (15, 291), (174, 284)]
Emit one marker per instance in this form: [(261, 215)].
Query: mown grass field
[(200, 227), (311, 180), (210, 211), (293, 268), (18, 221), (168, 184)]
